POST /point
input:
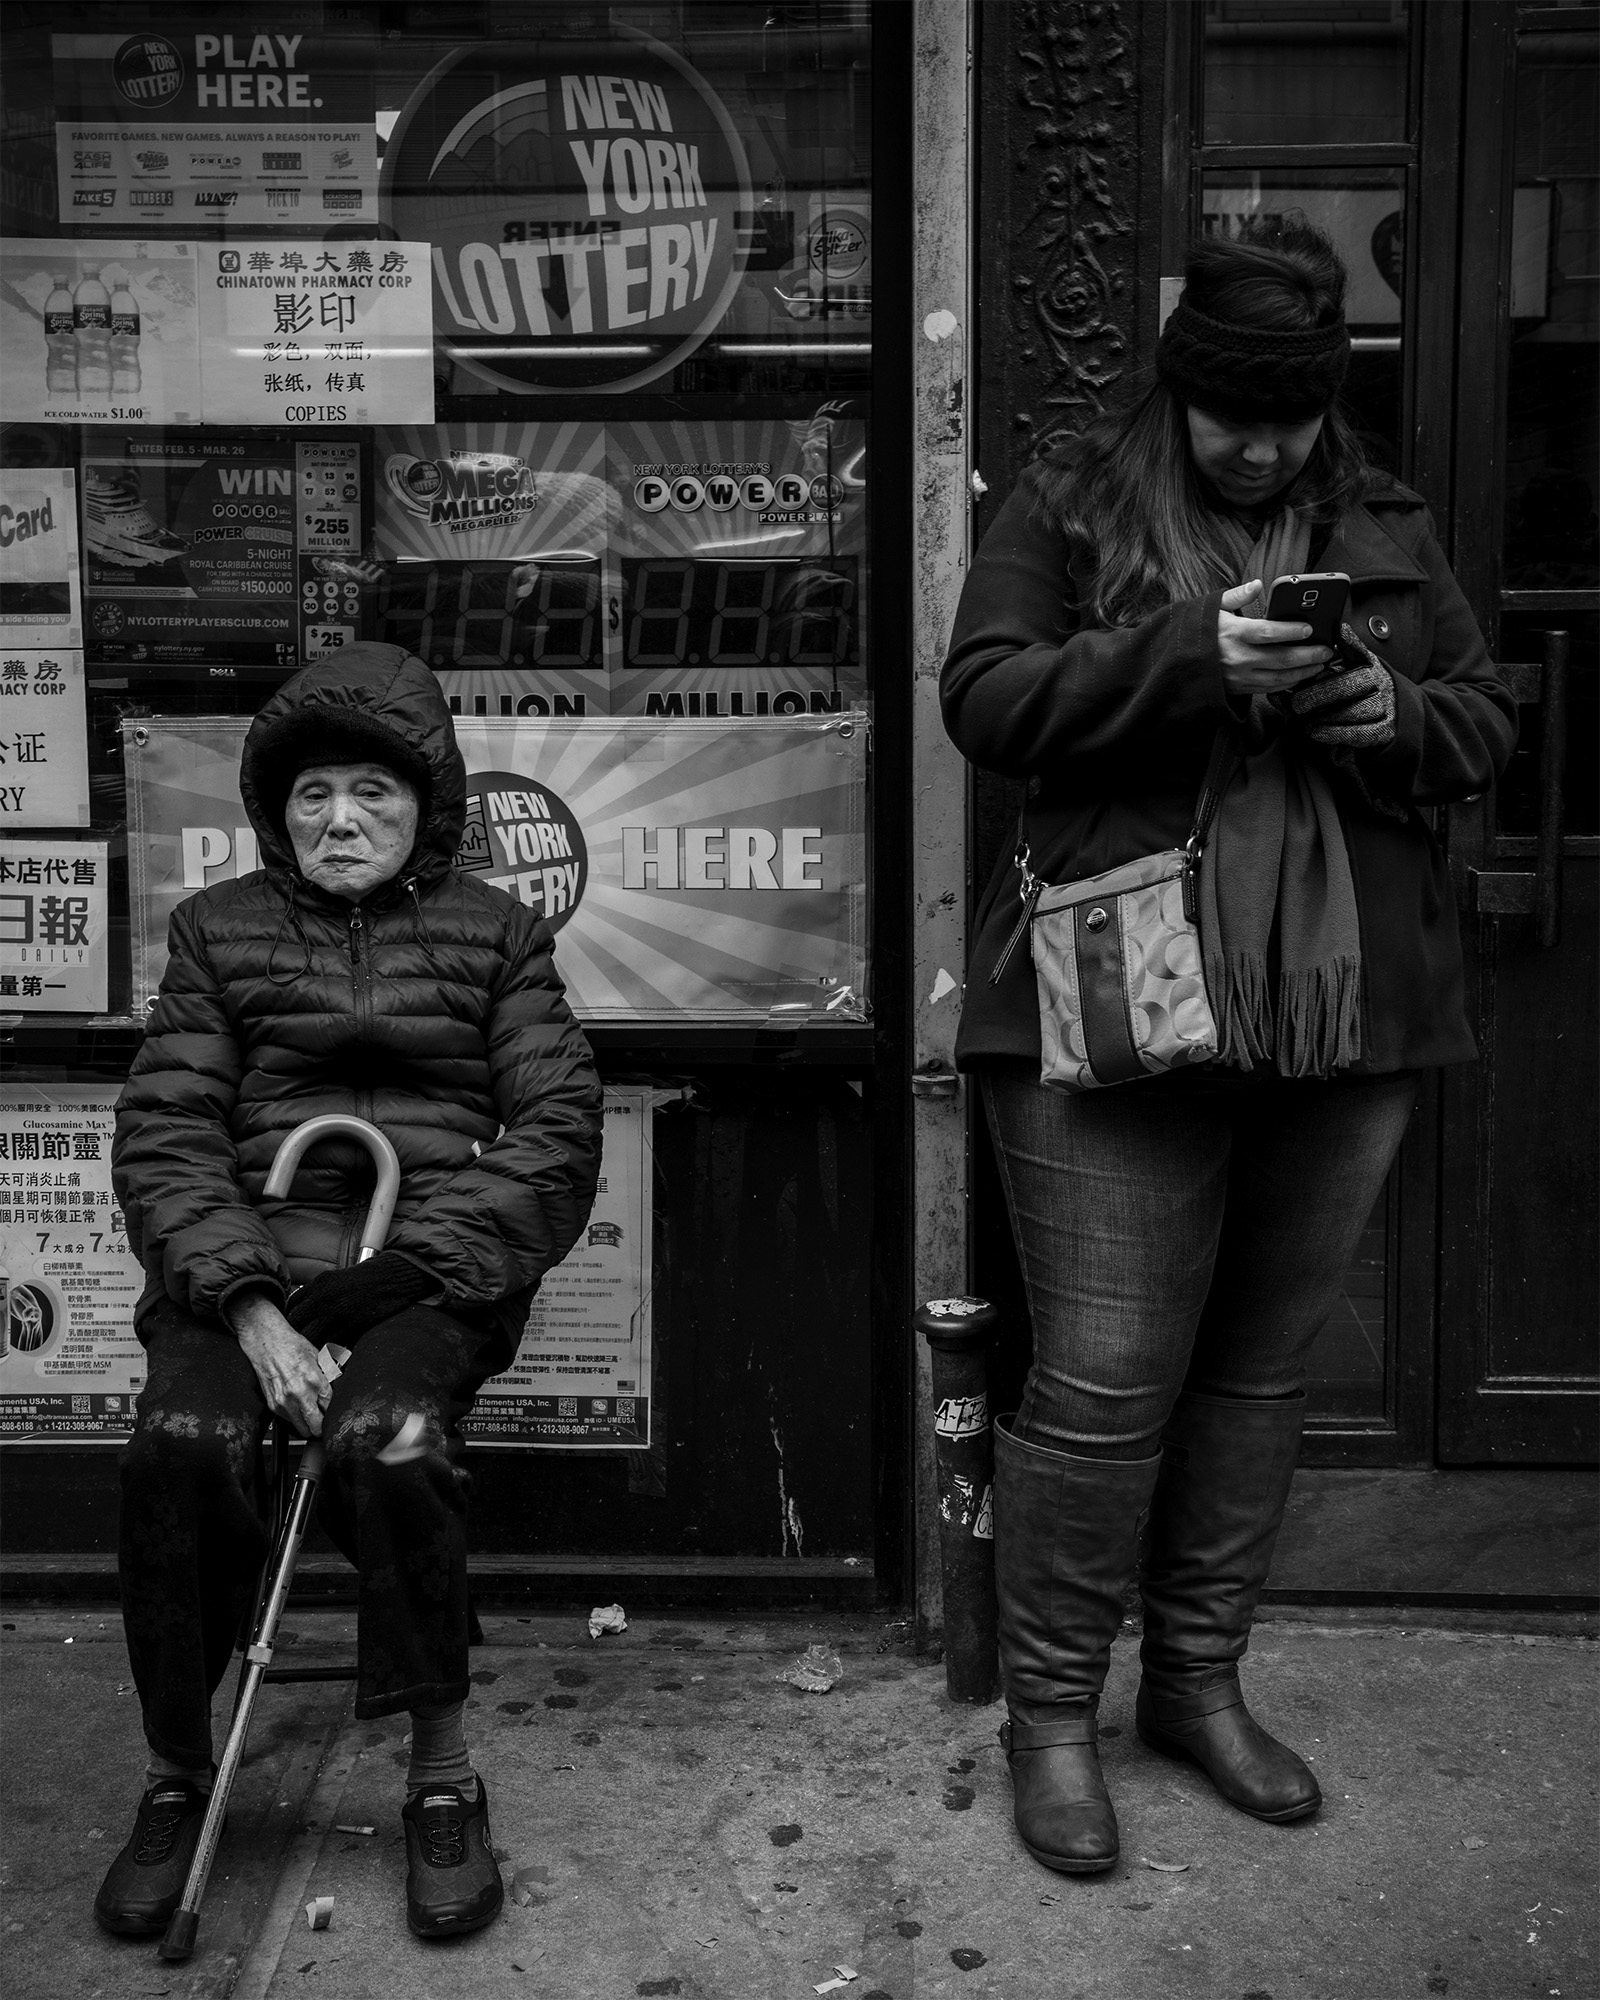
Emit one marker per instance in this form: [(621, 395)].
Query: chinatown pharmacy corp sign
[(582, 200)]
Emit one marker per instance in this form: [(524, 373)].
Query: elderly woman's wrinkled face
[(1249, 463), (352, 826)]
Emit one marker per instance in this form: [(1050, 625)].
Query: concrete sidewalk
[(675, 1820)]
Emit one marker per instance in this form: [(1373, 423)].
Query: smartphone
[(1316, 600)]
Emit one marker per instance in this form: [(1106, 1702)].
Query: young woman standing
[(1184, 1236)]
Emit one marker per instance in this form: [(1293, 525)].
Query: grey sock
[(439, 1751), (163, 1767)]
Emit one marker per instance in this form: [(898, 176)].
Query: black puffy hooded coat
[(433, 1009)]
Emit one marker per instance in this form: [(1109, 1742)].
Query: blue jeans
[(1181, 1233)]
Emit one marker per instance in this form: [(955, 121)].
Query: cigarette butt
[(319, 1913), (340, 1827), (406, 1444)]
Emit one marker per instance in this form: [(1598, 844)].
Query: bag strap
[(1218, 776)]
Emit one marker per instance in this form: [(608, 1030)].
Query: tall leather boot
[(1065, 1542), (1226, 1468)]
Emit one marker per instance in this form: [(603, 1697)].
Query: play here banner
[(689, 871)]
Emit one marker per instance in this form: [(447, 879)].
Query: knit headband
[(1249, 372)]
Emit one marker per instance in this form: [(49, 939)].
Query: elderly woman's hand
[(1263, 655), (286, 1364)]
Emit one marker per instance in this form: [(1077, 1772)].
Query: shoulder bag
[(1117, 958)]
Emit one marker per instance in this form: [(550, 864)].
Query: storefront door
[(1450, 152), (1519, 1266)]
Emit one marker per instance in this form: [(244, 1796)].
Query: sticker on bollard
[(961, 1417), (957, 1331)]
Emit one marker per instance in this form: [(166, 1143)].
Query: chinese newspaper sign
[(44, 747), (39, 602), (70, 1366), (582, 1371), (52, 926), (313, 333), (98, 332), (176, 128), (689, 871)]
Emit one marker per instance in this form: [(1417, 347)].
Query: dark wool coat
[(434, 1010), (1114, 728)]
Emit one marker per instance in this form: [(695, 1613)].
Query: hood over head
[(367, 703)]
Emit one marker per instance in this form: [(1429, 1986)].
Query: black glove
[(341, 1305), (1351, 709)]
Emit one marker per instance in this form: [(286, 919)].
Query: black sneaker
[(144, 1884), (452, 1878)]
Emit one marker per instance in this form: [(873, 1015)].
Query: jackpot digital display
[(736, 614), (493, 613)]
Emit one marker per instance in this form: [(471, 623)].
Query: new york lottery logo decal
[(524, 839)]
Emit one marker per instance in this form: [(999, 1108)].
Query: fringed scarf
[(1277, 855)]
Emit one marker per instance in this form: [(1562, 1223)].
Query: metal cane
[(958, 1332), (178, 1942)]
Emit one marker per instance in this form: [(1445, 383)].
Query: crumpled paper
[(607, 1618), (406, 1444), (817, 1669)]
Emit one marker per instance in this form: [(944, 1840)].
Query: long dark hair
[(1126, 487)]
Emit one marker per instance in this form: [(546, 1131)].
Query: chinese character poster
[(70, 1365), (44, 741), (582, 1371), (314, 333)]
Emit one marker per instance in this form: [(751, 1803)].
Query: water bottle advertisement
[(99, 332)]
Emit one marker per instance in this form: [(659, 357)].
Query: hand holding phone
[(1263, 648), (1317, 599)]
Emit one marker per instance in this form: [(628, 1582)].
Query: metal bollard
[(958, 1332)]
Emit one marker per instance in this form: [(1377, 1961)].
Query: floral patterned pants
[(191, 1542)]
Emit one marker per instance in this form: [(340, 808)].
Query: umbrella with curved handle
[(178, 1942)]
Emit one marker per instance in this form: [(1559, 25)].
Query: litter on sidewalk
[(817, 1669)]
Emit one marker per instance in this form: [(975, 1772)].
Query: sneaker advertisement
[(98, 332), (190, 552)]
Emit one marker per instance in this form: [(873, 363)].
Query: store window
[(1306, 72), (533, 338)]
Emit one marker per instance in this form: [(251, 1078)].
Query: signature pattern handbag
[(1117, 960)]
